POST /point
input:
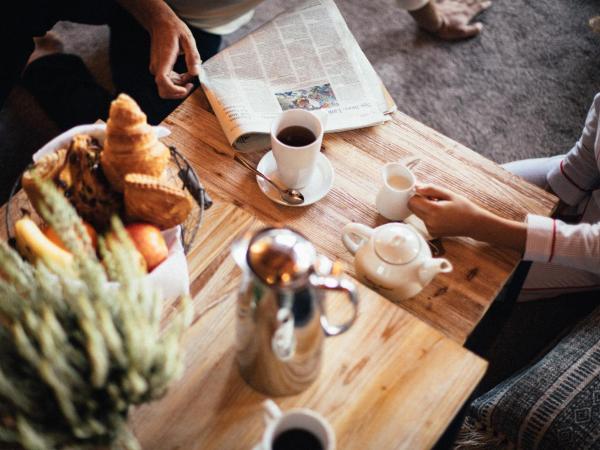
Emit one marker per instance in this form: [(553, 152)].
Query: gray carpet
[(521, 89)]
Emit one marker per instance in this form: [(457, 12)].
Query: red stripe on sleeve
[(553, 240), (562, 170)]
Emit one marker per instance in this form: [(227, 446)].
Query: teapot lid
[(281, 257), (396, 243)]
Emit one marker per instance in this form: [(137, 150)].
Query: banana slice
[(33, 244)]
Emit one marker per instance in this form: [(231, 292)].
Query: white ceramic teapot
[(393, 259)]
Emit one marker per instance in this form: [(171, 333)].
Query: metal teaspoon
[(290, 196)]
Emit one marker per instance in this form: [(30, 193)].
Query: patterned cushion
[(554, 404)]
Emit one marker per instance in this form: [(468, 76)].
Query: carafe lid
[(281, 257), (396, 243)]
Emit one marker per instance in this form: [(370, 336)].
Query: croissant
[(131, 144)]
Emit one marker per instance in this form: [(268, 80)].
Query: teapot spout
[(431, 267)]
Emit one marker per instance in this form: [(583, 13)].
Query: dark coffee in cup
[(296, 136), (297, 439)]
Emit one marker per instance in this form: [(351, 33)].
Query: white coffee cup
[(398, 187), (277, 422), (296, 165)]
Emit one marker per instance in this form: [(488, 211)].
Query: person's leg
[(130, 60), (552, 280), (89, 12), (61, 83), (15, 50), (533, 170), (66, 90), (26, 19)]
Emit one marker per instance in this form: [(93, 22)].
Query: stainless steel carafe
[(280, 318)]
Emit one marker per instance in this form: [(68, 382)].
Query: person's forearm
[(501, 232), (148, 12), (428, 17)]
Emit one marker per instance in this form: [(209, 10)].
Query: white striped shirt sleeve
[(412, 5), (578, 175), (553, 241)]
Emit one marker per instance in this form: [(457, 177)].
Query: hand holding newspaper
[(304, 58)]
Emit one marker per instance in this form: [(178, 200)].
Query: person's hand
[(444, 212), (456, 16), (170, 37)]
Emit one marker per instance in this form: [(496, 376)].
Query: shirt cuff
[(412, 5), (564, 186), (541, 236)]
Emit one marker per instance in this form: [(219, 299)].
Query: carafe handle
[(331, 283)]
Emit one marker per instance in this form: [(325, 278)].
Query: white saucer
[(317, 188)]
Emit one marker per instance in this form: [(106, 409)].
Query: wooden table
[(392, 381), (453, 303)]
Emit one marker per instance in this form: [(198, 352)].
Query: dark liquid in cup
[(296, 136), (297, 439)]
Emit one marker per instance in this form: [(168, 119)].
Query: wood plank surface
[(390, 382), (453, 303)]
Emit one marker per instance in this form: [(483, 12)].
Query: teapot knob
[(398, 240)]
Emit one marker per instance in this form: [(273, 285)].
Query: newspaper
[(304, 58)]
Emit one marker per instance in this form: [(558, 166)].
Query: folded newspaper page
[(304, 58)]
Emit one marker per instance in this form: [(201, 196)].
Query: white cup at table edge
[(277, 422), (296, 165), (392, 202)]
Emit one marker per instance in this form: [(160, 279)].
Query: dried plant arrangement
[(81, 342)]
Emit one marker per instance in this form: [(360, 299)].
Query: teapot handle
[(336, 284), (353, 230)]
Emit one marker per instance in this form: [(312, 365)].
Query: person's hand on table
[(446, 213), (171, 37)]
